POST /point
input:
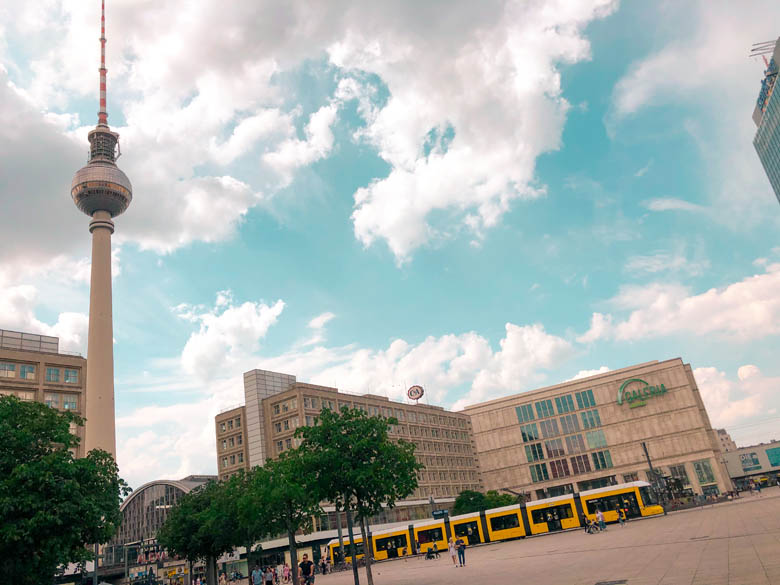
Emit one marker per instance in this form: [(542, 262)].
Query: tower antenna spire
[(103, 114)]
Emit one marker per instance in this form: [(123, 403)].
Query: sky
[(480, 198)]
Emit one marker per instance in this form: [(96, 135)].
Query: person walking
[(600, 518), (453, 552), (461, 546), (269, 575), (585, 523), (621, 519), (306, 571), (257, 576), (286, 572)]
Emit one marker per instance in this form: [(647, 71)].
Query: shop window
[(570, 424), (596, 439), (590, 419), (529, 433), (525, 413), (575, 444), (71, 376), (580, 464), (601, 460), (534, 452), (549, 428), (703, 471), (585, 399), (52, 374), (679, 472), (564, 404), (539, 472), (544, 408)]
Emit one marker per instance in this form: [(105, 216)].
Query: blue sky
[(482, 200)]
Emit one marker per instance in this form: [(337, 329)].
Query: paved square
[(736, 543)]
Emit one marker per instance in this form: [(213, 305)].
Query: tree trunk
[(293, 556), (189, 574), (342, 556), (352, 548), (211, 571), (368, 549)]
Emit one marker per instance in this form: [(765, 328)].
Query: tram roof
[(612, 488)]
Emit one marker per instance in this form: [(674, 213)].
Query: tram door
[(630, 502), (554, 514), (468, 531)]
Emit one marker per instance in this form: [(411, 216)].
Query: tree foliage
[(51, 504), (472, 501)]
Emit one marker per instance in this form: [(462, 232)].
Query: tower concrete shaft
[(100, 429)]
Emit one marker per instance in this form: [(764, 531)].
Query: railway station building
[(589, 433)]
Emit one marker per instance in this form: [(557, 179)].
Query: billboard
[(773, 455), (750, 461)]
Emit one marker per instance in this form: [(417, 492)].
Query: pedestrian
[(600, 518), (621, 520), (257, 575), (453, 552), (306, 571), (268, 574), (435, 550), (286, 572), (461, 545), (222, 580), (585, 523)]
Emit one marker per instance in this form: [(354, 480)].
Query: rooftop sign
[(636, 391)]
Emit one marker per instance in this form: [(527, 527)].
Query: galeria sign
[(635, 392)]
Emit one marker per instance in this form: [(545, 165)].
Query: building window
[(399, 414), (278, 427), (549, 428), (559, 468), (239, 440), (580, 464), (529, 432), (238, 422), (70, 402), (306, 402), (222, 427), (602, 459), (570, 424), (224, 462), (575, 444), (679, 472), (232, 442), (26, 372), (525, 413), (224, 444), (240, 457), (704, 471), (7, 370), (564, 404), (590, 419), (596, 439), (534, 452), (554, 448), (71, 376), (276, 409), (279, 446), (230, 424), (629, 477), (288, 444), (544, 408), (52, 400), (286, 424), (585, 399), (52, 374), (539, 472)]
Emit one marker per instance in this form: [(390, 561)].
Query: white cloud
[(672, 204), (666, 262), (588, 373), (227, 333), (732, 402), (641, 172), (746, 310), (321, 320)]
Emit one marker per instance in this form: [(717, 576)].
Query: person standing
[(600, 518), (269, 575), (257, 576), (453, 552), (461, 546), (306, 571), (621, 519), (286, 572)]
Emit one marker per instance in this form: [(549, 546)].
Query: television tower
[(102, 191)]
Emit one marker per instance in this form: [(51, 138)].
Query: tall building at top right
[(767, 118)]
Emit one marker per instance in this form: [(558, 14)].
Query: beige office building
[(588, 433), (33, 368), (727, 444), (444, 439)]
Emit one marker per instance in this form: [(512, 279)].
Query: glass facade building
[(767, 118)]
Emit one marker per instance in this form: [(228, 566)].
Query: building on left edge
[(33, 368)]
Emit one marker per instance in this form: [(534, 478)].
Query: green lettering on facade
[(636, 397)]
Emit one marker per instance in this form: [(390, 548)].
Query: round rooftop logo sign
[(635, 392), (415, 392)]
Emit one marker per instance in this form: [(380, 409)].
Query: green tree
[(472, 501), (358, 468), (495, 500), (202, 526), (280, 498), (51, 503)]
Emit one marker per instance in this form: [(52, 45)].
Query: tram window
[(551, 513), (429, 535), (648, 497), (504, 522), (390, 542), (613, 502), (348, 551)]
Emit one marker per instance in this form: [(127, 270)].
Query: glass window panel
[(703, 471), (71, 376), (52, 374)]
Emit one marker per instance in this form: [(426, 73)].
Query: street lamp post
[(656, 480)]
